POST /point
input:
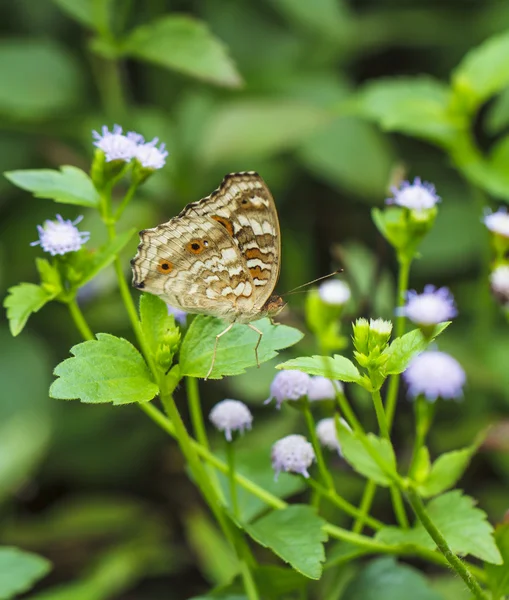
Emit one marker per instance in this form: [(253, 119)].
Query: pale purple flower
[(498, 222), (499, 280), (230, 416), (327, 435), (288, 385), (293, 454), (321, 388), (415, 196), (334, 292), (61, 236), (179, 314), (435, 375), (150, 156), (116, 145), (429, 308)]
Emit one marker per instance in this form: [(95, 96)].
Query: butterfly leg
[(215, 348), (260, 335)]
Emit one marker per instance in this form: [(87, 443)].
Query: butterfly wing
[(244, 207), (192, 263)]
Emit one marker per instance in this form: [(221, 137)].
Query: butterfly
[(220, 256)]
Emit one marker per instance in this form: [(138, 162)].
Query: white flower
[(498, 222), (415, 196), (429, 308), (293, 454), (61, 236), (116, 145), (151, 157), (321, 388), (229, 416), (380, 327), (499, 280), (288, 385), (334, 292), (435, 374), (327, 436), (180, 315)]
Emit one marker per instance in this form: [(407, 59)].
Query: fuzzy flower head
[(431, 307), (335, 292), (498, 222), (326, 433), (418, 196), (435, 375), (150, 156), (61, 236), (116, 145), (288, 385), (321, 388), (230, 416), (180, 315), (499, 280), (293, 454)]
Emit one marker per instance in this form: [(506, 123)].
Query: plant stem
[(365, 505), (193, 401), (422, 424), (125, 200), (399, 508), (380, 414), (322, 467), (79, 320), (230, 455), (457, 564)]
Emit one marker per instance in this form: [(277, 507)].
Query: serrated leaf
[(108, 369), (464, 526), (403, 349), (446, 471), (498, 575), (483, 72), (337, 367), (50, 276), (235, 350), (20, 570), (23, 300), (296, 535), (385, 579), (356, 454), (185, 44), (70, 185)]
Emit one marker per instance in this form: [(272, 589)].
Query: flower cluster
[(334, 292), (230, 416), (129, 146), (295, 385), (327, 435), (293, 454), (431, 307), (418, 196), (61, 236), (435, 375)]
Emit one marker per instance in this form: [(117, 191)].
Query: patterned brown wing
[(244, 207), (192, 263)]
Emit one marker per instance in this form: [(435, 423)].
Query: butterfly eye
[(165, 266), (197, 246)]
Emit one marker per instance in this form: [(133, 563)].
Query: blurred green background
[(100, 491)]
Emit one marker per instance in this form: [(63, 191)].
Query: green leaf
[(235, 350), (417, 106), (23, 300), (483, 72), (385, 579), (39, 79), (185, 44), (498, 575), (296, 535), (70, 185), (356, 454), (155, 319), (20, 570), (96, 15), (465, 528), (446, 471), (108, 369), (403, 349), (248, 129), (337, 367), (104, 256), (50, 276), (326, 18)]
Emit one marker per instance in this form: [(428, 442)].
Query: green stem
[(422, 424), (125, 200), (248, 580), (365, 505), (457, 564), (109, 84), (79, 320), (193, 401), (322, 467), (399, 508), (230, 455), (380, 414)]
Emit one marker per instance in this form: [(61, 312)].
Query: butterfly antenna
[(311, 282)]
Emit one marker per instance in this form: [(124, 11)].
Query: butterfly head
[(273, 306)]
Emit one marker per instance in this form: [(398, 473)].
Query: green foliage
[(184, 44), (295, 534), (108, 369), (337, 367), (385, 579), (70, 185), (89, 13), (498, 575), (235, 350), (465, 528), (20, 571), (23, 300)]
